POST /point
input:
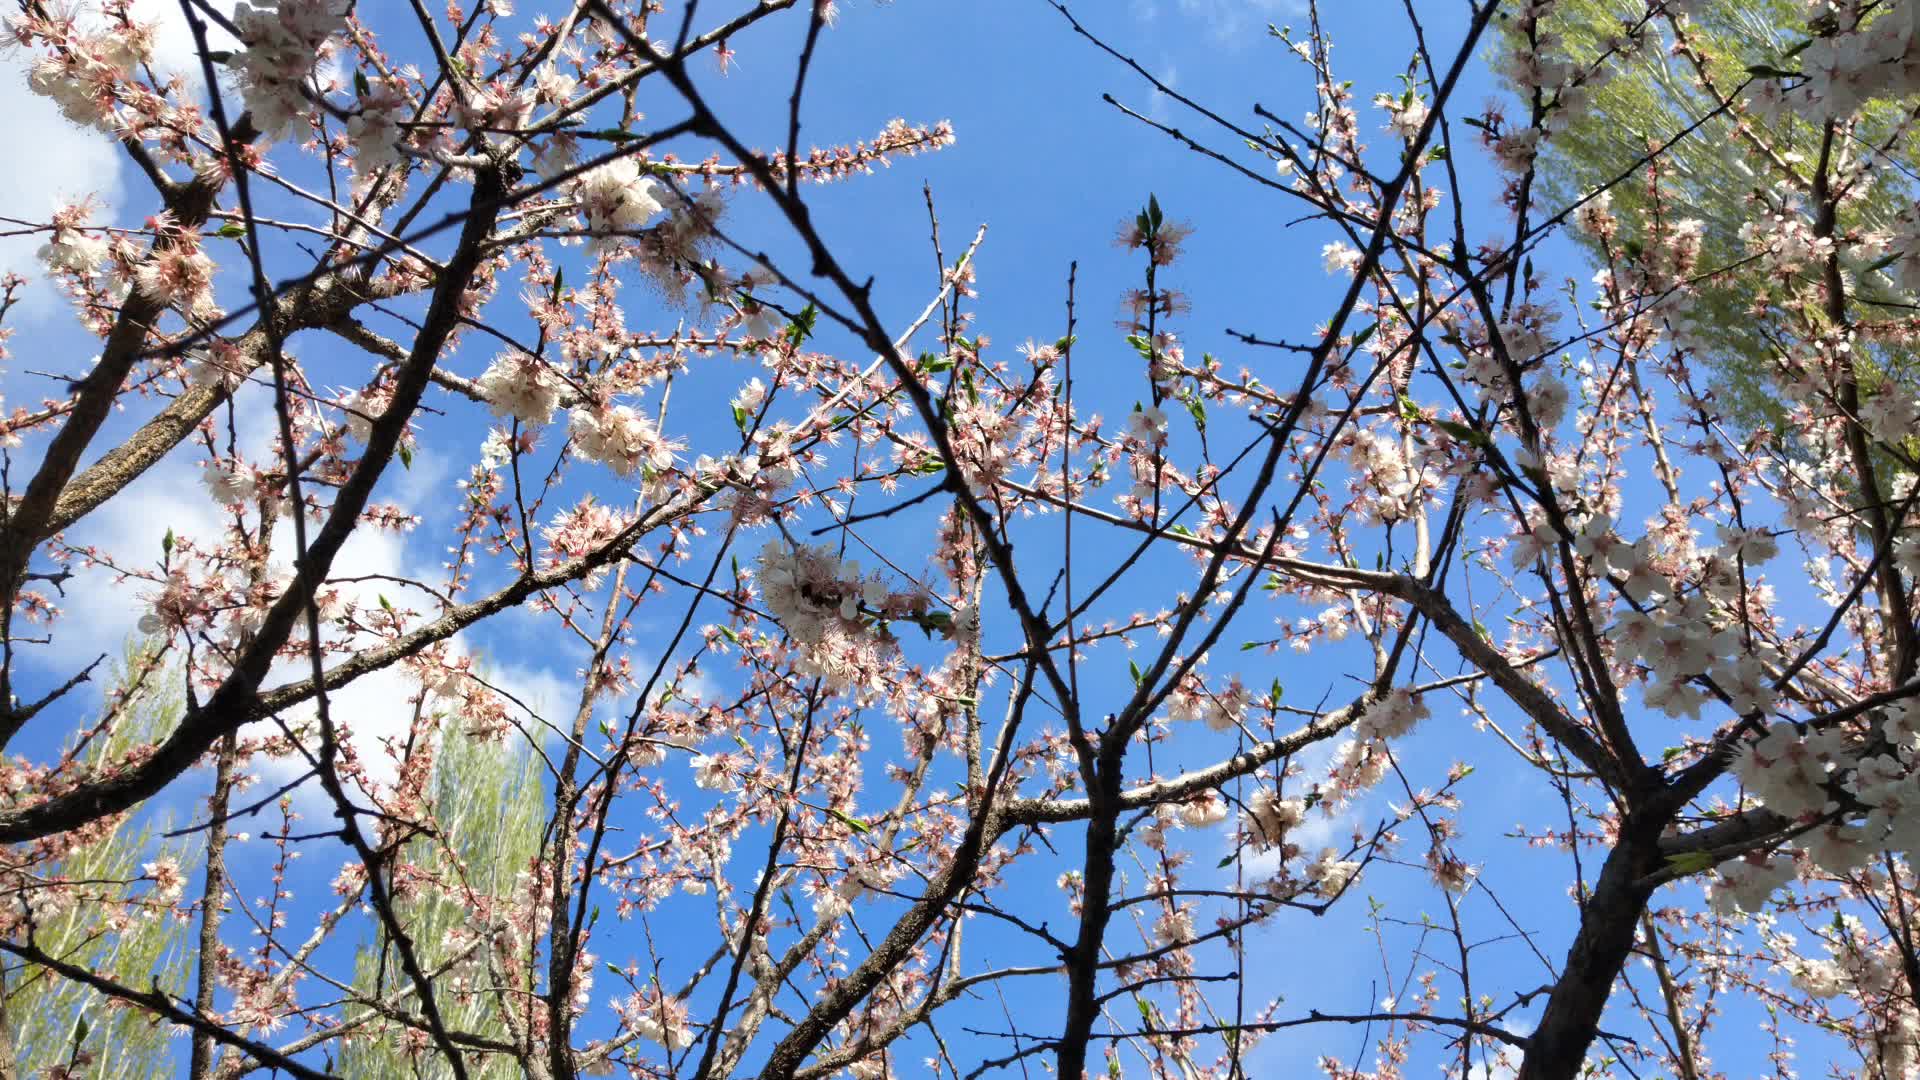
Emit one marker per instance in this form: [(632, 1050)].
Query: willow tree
[(1676, 100), (921, 700), (111, 904)]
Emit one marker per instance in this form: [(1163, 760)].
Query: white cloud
[(65, 164), (57, 163), (100, 612), (174, 51), (1318, 831), (1504, 1065), (1160, 106), (1226, 19)]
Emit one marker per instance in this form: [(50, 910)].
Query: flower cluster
[(1745, 884), (620, 438), (1405, 114), (1839, 72), (833, 612), (1329, 873), (72, 250), (375, 128), (813, 592), (657, 1017), (1221, 710), (583, 531), (617, 198), (1270, 817), (283, 44), (521, 386), (230, 482), (83, 72), (179, 275), (1391, 717)]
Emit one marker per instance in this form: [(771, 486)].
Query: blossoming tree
[(922, 684)]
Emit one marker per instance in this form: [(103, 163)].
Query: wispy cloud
[(68, 162), (1227, 20)]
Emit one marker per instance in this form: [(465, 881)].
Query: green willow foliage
[(490, 800), (1716, 174), (44, 1014), (491, 804)]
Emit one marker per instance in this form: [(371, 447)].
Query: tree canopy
[(603, 602)]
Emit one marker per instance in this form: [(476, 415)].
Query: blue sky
[(1051, 170)]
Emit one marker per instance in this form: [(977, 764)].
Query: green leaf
[(606, 134), (360, 86), (385, 604), (801, 328), (1275, 693), (406, 457), (1198, 411), (1153, 211), (231, 231), (850, 821), (1690, 862), (166, 544), (1463, 433), (740, 418), (1134, 670)]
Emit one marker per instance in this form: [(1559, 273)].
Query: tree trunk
[(1608, 927)]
